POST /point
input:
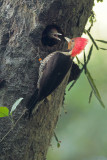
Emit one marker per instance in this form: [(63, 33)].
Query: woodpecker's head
[(54, 34), (76, 45), (51, 35)]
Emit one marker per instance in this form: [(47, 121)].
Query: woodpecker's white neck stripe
[(66, 53)]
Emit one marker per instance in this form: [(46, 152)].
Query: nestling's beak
[(54, 34)]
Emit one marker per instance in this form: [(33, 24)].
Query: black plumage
[(75, 72), (54, 71)]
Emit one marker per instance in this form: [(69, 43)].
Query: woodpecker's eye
[(72, 40)]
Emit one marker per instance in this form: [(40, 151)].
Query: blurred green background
[(83, 130)]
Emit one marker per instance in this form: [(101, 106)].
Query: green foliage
[(101, 41), (58, 145), (92, 19), (56, 138), (87, 73), (93, 86), (14, 106), (92, 39), (91, 93), (90, 53), (99, 1), (4, 112), (103, 49)]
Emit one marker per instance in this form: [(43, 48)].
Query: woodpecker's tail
[(32, 101)]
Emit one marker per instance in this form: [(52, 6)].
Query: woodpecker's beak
[(55, 35), (67, 39)]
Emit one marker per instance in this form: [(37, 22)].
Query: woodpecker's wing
[(35, 98), (53, 71)]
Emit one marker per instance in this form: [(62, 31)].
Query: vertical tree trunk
[(21, 25)]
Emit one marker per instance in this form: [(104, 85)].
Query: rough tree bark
[(21, 25)]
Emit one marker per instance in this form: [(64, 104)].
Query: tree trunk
[(21, 25)]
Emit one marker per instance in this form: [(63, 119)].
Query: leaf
[(99, 1), (88, 58), (84, 66), (84, 57), (103, 48), (56, 138), (90, 97), (90, 53), (58, 144), (95, 90), (102, 41), (15, 105), (84, 31), (4, 112), (77, 60), (84, 62), (92, 39)]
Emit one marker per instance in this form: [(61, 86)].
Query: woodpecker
[(51, 35), (53, 69)]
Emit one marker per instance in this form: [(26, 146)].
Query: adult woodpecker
[(53, 69)]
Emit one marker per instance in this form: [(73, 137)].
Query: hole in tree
[(50, 36)]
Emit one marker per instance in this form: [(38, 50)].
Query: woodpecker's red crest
[(76, 44)]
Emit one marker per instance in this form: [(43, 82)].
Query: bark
[(21, 25)]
